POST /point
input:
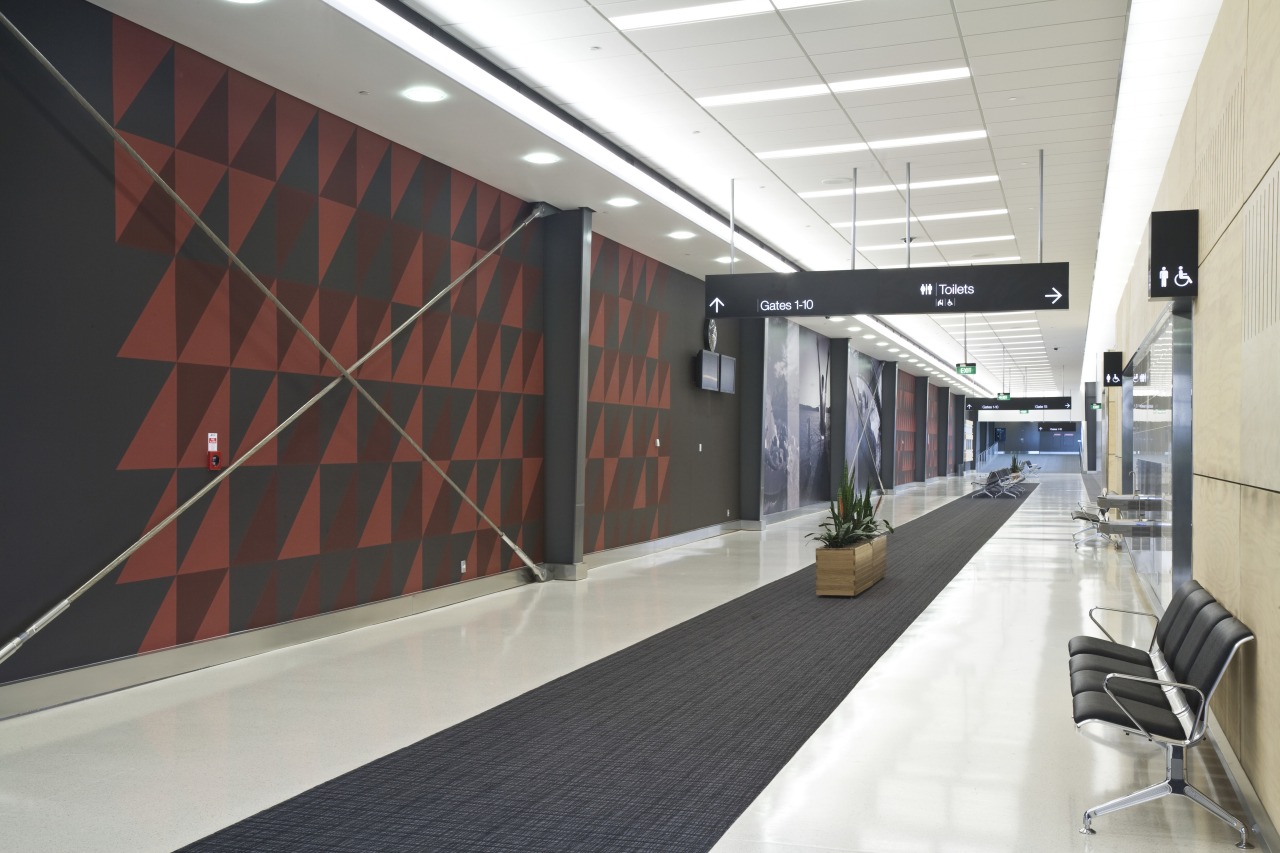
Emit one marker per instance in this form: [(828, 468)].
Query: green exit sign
[(1095, 406), (1004, 395), (969, 368), (1024, 411)]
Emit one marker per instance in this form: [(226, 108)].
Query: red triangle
[(342, 533), (434, 521), (370, 149), (163, 632), (133, 185), (309, 602), (210, 341), (377, 530), (159, 557), (533, 378), (409, 286), (514, 446), (217, 620), (256, 350), (195, 76), (465, 447), (409, 525), (335, 219), (491, 372), (627, 448), (342, 444), (293, 117), (466, 521), (609, 364), (373, 325), (413, 583), (409, 370), (493, 501), (136, 53), (246, 99), (155, 445), (195, 180), (491, 429), (404, 163), (655, 338), (259, 543), (264, 421), (404, 451), (265, 613), (153, 336), (347, 594), (530, 482), (247, 195), (335, 136), (461, 188), (216, 418), (513, 306), (299, 355), (304, 534), (610, 474), (664, 381), (439, 369), (209, 549)]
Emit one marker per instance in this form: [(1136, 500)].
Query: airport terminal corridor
[(990, 762)]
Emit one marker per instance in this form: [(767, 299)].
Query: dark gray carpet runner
[(658, 747)]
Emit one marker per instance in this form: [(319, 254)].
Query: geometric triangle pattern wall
[(629, 399), (352, 233)]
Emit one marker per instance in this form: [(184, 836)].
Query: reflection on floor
[(960, 737)]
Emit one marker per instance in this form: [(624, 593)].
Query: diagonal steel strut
[(540, 210)]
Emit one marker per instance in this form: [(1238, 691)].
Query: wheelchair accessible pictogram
[(1182, 279)]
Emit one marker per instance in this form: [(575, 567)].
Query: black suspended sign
[(992, 404), (1173, 270), (925, 290), (1112, 369)]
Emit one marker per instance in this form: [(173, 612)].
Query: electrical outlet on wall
[(657, 442), (464, 567), (699, 448)]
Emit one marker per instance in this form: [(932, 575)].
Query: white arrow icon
[(717, 304), (1056, 296)]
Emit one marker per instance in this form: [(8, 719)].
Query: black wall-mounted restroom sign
[(1173, 269), (1112, 369)]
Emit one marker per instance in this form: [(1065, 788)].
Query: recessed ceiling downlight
[(541, 158), (682, 235), (421, 94), (622, 201)]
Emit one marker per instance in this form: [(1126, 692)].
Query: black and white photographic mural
[(797, 417), (862, 419)]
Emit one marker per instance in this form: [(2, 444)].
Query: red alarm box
[(215, 460)]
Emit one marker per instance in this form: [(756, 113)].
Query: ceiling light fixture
[(865, 84), (724, 259), (424, 94), (855, 328), (682, 235), (868, 337), (878, 145), (622, 201), (385, 22), (541, 158), (915, 185)]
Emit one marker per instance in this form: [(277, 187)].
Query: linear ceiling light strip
[(346, 373), (388, 24)]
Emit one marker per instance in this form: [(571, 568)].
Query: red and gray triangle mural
[(629, 399), (352, 233)]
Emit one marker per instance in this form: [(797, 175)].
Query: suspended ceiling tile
[(908, 109), (1073, 106), (708, 33), (742, 76), (728, 53), (922, 97), (879, 35), (854, 14), (1101, 88), (1107, 69), (1035, 15), (871, 61), (1045, 58)]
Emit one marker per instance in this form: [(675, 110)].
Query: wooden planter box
[(850, 571)]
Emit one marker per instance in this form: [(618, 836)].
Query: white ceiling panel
[(864, 61), (1105, 70), (741, 76), (879, 35), (708, 33), (1031, 15), (862, 13), (727, 53), (1049, 57)]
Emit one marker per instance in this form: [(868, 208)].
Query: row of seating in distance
[(1160, 692), (1001, 483)]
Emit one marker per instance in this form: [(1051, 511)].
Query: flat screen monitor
[(706, 370), (728, 374)]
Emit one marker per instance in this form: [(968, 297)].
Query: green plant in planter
[(1014, 466), (852, 518)]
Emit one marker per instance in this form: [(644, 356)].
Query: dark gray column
[(1090, 436), (566, 294), (922, 428), (957, 426), (1126, 432), (944, 415), (889, 425), (751, 411), (1182, 471), (839, 378)]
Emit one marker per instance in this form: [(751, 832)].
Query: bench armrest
[(1198, 726), (1095, 621)]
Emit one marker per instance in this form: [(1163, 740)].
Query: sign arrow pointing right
[(717, 304), (1056, 296)]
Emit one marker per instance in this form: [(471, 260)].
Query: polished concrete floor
[(959, 739)]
